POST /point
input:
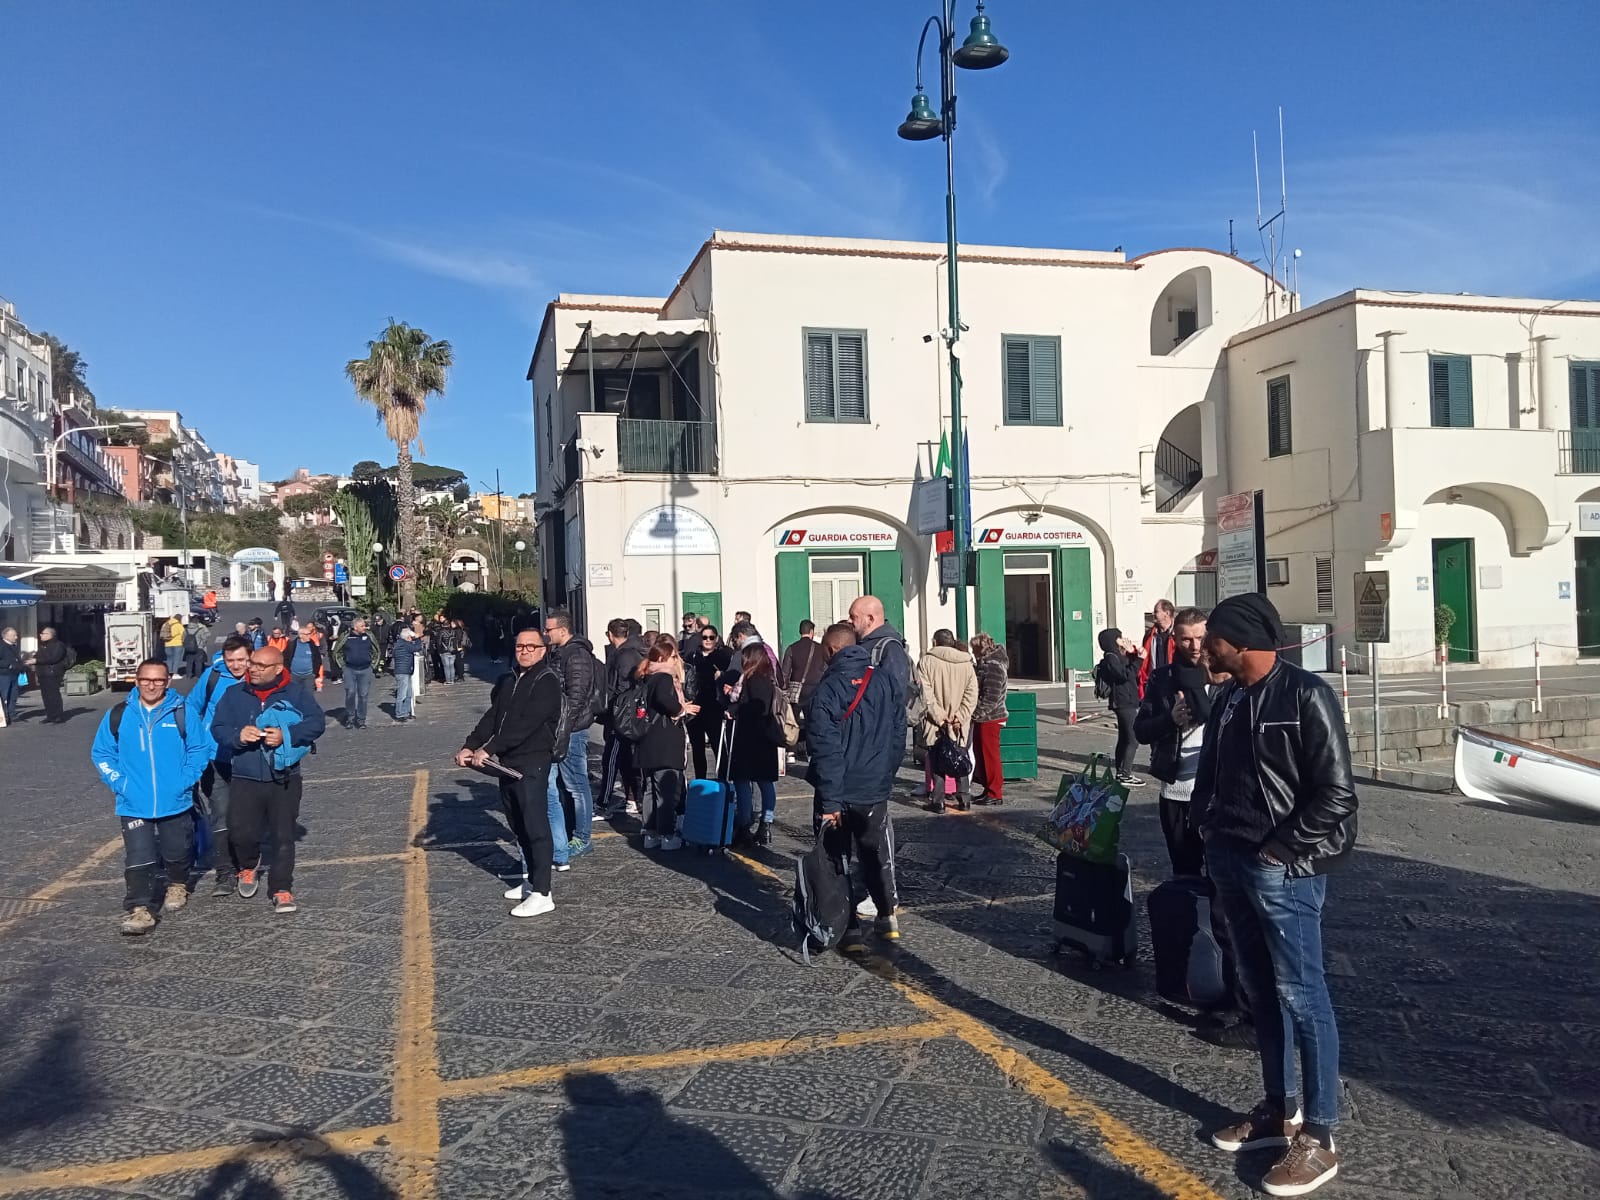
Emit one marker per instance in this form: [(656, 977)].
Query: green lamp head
[(923, 123), (981, 50)]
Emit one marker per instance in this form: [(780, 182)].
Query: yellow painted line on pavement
[(696, 1056), (128, 1169), (68, 880), (416, 1067), (1146, 1160)]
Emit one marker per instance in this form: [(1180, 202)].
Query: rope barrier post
[(1377, 714), (1072, 696), (1538, 680), (1444, 681), (1344, 684)]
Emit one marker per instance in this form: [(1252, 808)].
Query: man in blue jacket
[(856, 729), (405, 666), (262, 728), (204, 698), (150, 756)]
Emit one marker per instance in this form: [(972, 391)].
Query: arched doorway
[(825, 558)]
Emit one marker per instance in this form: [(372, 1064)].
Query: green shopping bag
[(1087, 817)]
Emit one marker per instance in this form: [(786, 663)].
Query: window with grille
[(1031, 385), (1280, 433), (1324, 585), (1450, 390), (836, 375)]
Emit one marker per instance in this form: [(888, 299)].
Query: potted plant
[(1444, 619), (86, 678)]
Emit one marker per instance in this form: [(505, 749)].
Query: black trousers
[(864, 832), (701, 733), (219, 800), (1184, 846), (274, 806), (147, 844), (50, 693), (617, 764), (1126, 744), (661, 802), (527, 805)]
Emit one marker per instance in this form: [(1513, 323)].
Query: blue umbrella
[(16, 594)]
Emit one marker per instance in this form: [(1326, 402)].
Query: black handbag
[(949, 757)]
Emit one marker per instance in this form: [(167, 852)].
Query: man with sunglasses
[(582, 674), (521, 730), (151, 760)]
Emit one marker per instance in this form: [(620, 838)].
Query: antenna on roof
[(1272, 228)]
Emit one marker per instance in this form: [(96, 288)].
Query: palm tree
[(402, 369)]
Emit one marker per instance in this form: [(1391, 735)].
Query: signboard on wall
[(80, 591), (834, 537), (1372, 606), (930, 506), (1241, 545), (1589, 518), (671, 530), (1020, 534)]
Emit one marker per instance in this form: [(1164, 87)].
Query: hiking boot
[(764, 833), (226, 882), (175, 897), (1263, 1127), (888, 928), (1306, 1167), (283, 902), (534, 905), (138, 922), (248, 883)]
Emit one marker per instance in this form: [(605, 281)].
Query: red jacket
[(1149, 663)]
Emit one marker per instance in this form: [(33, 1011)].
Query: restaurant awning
[(16, 594), (68, 583)]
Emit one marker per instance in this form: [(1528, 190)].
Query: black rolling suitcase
[(1190, 967), (1094, 908)]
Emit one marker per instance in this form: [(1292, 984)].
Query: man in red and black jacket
[(1159, 643)]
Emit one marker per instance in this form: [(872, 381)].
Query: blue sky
[(218, 204)]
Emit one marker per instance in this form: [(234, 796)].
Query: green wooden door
[(1074, 613), (886, 580), (1453, 585), (991, 605), (704, 604), (794, 594), (1586, 594)]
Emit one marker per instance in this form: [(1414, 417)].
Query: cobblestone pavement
[(657, 1035)]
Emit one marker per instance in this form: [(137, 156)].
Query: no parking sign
[(399, 571)]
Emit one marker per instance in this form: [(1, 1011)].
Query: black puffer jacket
[(576, 664), (1300, 764)]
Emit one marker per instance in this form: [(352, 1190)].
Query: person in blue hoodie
[(262, 729), (856, 730), (226, 670), (151, 756)]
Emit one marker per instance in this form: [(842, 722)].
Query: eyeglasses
[(521, 646), (256, 662), (143, 682)]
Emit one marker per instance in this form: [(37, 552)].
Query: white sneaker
[(534, 905), (672, 843), (561, 868), (866, 910), (631, 809), (520, 892), (652, 842)]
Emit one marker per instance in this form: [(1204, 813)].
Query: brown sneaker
[(137, 922), (176, 897), (1306, 1167), (1262, 1128)]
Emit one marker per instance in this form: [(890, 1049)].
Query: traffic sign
[(399, 571), (1372, 606), (341, 573)]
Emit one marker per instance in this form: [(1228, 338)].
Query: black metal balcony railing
[(1578, 452), (1182, 473), (667, 447)]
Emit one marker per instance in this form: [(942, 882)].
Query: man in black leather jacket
[(1277, 808)]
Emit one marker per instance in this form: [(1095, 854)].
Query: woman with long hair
[(710, 660), (994, 667), (659, 755), (753, 760)]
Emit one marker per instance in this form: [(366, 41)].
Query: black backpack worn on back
[(630, 712), (821, 900), (1102, 685), (599, 710)]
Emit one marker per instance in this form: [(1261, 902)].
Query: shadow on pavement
[(237, 1179), (454, 819)]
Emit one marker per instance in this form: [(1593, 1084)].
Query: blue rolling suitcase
[(708, 804)]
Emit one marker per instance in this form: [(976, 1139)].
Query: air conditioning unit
[(1277, 572)]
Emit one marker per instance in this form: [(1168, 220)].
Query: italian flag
[(1510, 760)]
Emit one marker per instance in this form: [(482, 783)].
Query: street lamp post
[(978, 52)]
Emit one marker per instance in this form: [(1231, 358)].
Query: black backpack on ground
[(630, 712), (821, 900)]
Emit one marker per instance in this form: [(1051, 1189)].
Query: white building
[(1451, 440), (249, 481), (25, 432), (750, 441)]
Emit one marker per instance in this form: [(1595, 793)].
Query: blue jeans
[(357, 687), (447, 666), (402, 695), (1275, 922), (743, 810), (174, 659), (8, 696), (571, 771)]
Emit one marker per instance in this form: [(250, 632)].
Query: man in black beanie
[(1276, 806)]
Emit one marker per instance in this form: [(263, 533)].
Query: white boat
[(1508, 770)]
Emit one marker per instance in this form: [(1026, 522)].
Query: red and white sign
[(834, 537), (327, 566), (1029, 535), (1236, 512)]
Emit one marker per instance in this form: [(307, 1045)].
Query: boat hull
[(1506, 770)]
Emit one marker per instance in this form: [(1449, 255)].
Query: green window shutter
[(851, 358), (819, 377), (1280, 434), (1450, 390), (886, 581), (1585, 395), (1031, 387), (794, 592)]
